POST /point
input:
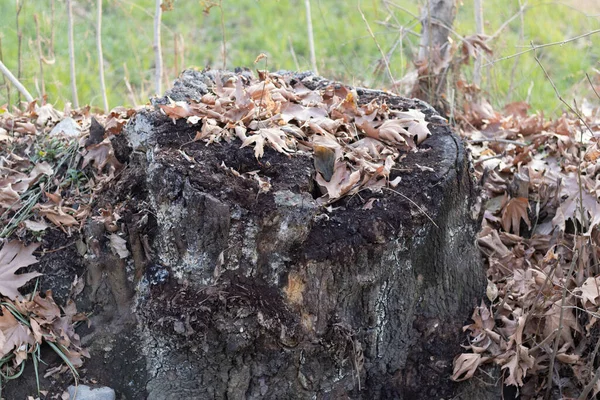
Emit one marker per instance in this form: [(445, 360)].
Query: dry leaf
[(118, 245), (514, 211), (13, 257)]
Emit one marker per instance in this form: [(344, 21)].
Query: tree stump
[(234, 293)]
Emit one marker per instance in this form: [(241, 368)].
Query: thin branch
[(415, 204), (293, 54), (72, 54), (311, 39), (522, 8), (158, 62), (6, 72), (383, 55), (101, 55), (540, 46), (588, 388)]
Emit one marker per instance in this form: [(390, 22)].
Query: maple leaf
[(14, 256), (12, 334), (514, 211)]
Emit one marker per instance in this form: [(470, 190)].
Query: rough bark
[(236, 294)]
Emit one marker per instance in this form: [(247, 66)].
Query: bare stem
[(311, 39), (6, 72), (223, 35), (478, 4), (72, 54), (101, 55), (383, 55), (158, 62), (40, 55), (560, 323), (19, 40), (6, 85)]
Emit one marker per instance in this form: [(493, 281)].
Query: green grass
[(345, 51)]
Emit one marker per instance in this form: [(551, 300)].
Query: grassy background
[(345, 50)]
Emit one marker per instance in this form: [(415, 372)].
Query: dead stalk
[(513, 71), (72, 54), (40, 55), (6, 72), (560, 323), (311, 39), (158, 61), (478, 5), (293, 54), (6, 85), (19, 5), (223, 35), (101, 55), (383, 55)]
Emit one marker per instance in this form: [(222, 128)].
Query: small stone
[(84, 392)]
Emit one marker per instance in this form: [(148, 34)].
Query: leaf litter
[(541, 210)]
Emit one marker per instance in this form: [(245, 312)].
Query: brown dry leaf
[(465, 366), (514, 211), (56, 215), (12, 334), (519, 362), (176, 110), (590, 290), (9, 198), (13, 257), (341, 182), (118, 246), (102, 154)]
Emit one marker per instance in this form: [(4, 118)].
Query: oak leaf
[(14, 256)]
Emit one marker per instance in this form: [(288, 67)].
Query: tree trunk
[(247, 295), (434, 57)]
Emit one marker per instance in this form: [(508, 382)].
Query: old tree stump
[(234, 292)]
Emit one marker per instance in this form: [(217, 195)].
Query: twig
[(6, 72), (293, 53), (72, 53), (415, 204), (540, 46), (588, 388), (383, 55), (128, 85), (560, 324), (311, 39), (498, 141), (158, 61), (520, 13), (101, 55)]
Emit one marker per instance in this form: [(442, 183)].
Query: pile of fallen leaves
[(46, 180), (540, 237), (354, 146)]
